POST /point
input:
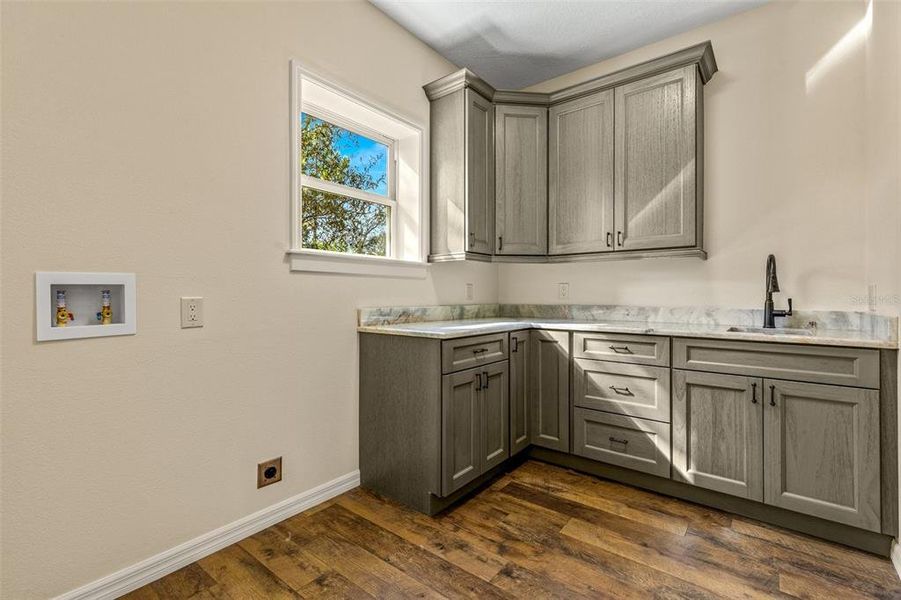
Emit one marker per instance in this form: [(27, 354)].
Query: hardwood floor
[(538, 532)]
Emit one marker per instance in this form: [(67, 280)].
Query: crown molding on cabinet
[(699, 54)]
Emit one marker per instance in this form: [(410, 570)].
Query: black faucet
[(772, 285)]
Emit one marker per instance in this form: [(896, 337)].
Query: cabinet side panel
[(447, 173), (888, 422), (400, 417)]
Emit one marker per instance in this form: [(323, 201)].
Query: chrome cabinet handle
[(485, 374), (753, 393), (622, 391), (772, 395), (621, 349)]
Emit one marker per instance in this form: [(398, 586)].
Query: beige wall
[(153, 138), (786, 173)]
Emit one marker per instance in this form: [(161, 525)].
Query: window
[(357, 184)]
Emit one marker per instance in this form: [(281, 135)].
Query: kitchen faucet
[(772, 285)]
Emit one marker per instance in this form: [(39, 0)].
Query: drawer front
[(632, 390), (636, 349), (628, 442), (816, 364), (465, 353)]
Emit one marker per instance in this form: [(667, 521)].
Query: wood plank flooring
[(538, 532)]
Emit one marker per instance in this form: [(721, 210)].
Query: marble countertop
[(450, 329)]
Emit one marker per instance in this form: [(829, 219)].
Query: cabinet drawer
[(816, 364), (465, 353), (627, 442), (633, 390), (635, 349)]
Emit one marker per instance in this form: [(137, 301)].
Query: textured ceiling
[(513, 44)]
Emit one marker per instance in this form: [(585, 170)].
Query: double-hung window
[(357, 184)]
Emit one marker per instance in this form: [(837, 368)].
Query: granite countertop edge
[(447, 330)]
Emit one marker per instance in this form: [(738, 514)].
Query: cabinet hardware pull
[(621, 349), (619, 441), (485, 373), (515, 344), (772, 395), (753, 393), (619, 238), (609, 239), (478, 381), (500, 242), (472, 239), (622, 391), (479, 350)]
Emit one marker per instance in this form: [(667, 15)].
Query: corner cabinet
[(608, 168)]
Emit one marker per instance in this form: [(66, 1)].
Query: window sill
[(313, 261)]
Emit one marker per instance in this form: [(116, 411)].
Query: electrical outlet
[(269, 472), (191, 312), (563, 290), (470, 291)]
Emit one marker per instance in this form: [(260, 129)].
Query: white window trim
[(406, 261)]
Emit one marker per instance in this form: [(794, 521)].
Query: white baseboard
[(896, 556), (151, 569)]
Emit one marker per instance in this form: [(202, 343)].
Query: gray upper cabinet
[(462, 176), (580, 175), (521, 179), (479, 149), (607, 168), (658, 159), (549, 390), (520, 348), (822, 451), (718, 432)]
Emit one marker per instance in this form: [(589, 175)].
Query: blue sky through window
[(362, 151)]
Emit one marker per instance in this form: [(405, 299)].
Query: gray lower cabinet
[(631, 390), (549, 390), (637, 444), (580, 175), (474, 424), (658, 159), (718, 432), (521, 179), (822, 451), (520, 349)]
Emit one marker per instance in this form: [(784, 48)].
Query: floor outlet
[(191, 312)]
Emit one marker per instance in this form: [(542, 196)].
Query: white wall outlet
[(470, 291), (563, 290), (191, 312)]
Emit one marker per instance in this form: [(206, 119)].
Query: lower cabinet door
[(461, 439), (549, 390), (637, 444), (519, 386), (718, 432), (495, 417), (822, 451)]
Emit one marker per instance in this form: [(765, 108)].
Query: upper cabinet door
[(521, 177), (580, 175), (822, 451), (479, 174), (657, 139)]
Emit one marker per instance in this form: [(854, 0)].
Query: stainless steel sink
[(768, 331)]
